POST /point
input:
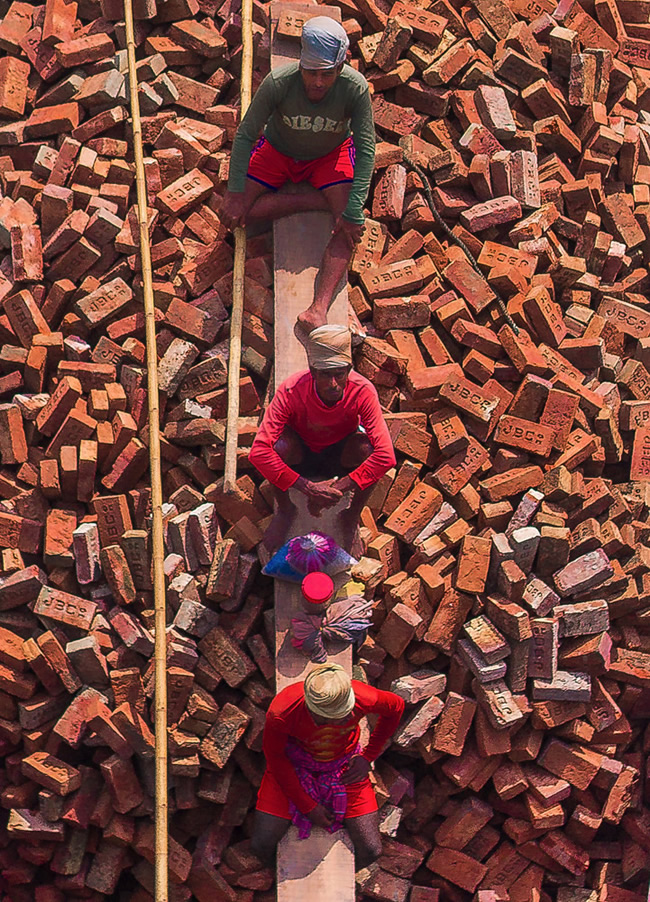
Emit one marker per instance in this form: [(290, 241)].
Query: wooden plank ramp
[(321, 868)]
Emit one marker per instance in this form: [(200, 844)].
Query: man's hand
[(345, 484), (319, 494), (356, 770), (321, 817), (351, 231), (233, 209)]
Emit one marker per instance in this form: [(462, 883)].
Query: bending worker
[(318, 128), (310, 437), (316, 772)]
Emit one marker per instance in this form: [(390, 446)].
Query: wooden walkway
[(321, 868)]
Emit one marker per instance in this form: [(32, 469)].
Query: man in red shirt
[(316, 772), (310, 438)]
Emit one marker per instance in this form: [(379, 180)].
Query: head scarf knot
[(329, 347), (324, 43), (328, 692)]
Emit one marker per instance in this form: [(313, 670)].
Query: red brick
[(84, 50), (458, 868), (473, 564)]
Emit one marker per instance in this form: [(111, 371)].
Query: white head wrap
[(329, 347), (328, 692), (324, 43)]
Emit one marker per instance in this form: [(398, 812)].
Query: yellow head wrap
[(329, 692), (329, 347)]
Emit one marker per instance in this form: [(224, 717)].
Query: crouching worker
[(310, 437), (316, 771), (317, 125)]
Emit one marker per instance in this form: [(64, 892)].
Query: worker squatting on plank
[(316, 770), (310, 437), (318, 128)]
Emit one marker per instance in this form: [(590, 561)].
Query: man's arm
[(250, 128), (389, 707), (383, 454), (261, 107), (274, 743), (263, 455), (363, 133)]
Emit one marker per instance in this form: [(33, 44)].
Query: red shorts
[(272, 169), (271, 799)]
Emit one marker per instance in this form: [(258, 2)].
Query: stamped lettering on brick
[(65, 608), (640, 466)]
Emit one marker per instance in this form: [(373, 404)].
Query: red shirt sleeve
[(276, 734), (383, 455), (388, 706), (262, 455)]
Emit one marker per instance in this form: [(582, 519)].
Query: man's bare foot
[(349, 534), (356, 549), (311, 319), (275, 535)]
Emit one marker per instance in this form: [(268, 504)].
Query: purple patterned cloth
[(322, 781), (345, 622)]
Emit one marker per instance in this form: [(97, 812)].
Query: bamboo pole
[(158, 546), (234, 361)]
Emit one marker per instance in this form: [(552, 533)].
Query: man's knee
[(366, 838), (357, 449), (268, 830), (337, 198), (289, 448), (264, 848), (366, 850)]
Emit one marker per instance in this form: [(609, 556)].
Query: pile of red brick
[(76, 683), (511, 565), (507, 553)]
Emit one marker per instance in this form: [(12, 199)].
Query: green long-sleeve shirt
[(304, 130)]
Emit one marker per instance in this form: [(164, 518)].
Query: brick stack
[(506, 554), (76, 619), (507, 549)]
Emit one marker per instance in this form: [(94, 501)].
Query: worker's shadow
[(324, 856), (301, 237), (299, 243)]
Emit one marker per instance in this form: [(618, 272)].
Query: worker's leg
[(285, 511), (349, 522), (355, 451), (270, 206), (334, 266), (268, 830), (365, 836), (290, 449), (357, 448), (269, 170)]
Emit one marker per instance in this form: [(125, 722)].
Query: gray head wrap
[(324, 43)]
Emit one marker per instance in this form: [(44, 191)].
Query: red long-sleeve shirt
[(289, 717), (296, 404)]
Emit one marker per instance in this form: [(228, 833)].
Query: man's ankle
[(318, 308)]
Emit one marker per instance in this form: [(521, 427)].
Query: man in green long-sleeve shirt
[(317, 125)]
